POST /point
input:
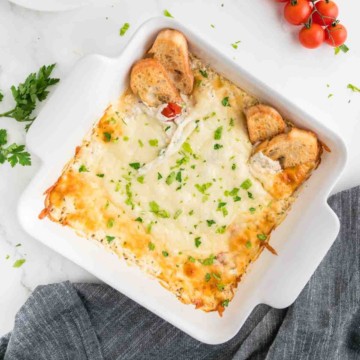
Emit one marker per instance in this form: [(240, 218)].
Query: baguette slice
[(263, 122), (171, 49), (150, 81), (292, 149)]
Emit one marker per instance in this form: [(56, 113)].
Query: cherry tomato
[(297, 12), (326, 12), (335, 34), (171, 110), (312, 36)]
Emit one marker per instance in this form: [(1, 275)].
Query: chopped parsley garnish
[(141, 144), (213, 26), (210, 222), (248, 244), (233, 192), (170, 179), (107, 136), (216, 276), (197, 241), (203, 73), (353, 88), (165, 253), (235, 44), (26, 95), (154, 142), (100, 175), (236, 198), (167, 14), (151, 246), (109, 239), (177, 214), (139, 219), (110, 223), (231, 123), (124, 29), (187, 147), (203, 187), (221, 230), (218, 146), (330, 95), (191, 212), (191, 259), (220, 205), (13, 153), (135, 165), (220, 287), (167, 128), (233, 166), (342, 48), (126, 138), (209, 115), (225, 101), (159, 176), (225, 303), (208, 261), (18, 263), (129, 195), (218, 133), (83, 168), (250, 195), (140, 179), (252, 210), (156, 210), (261, 237), (178, 176), (207, 277), (246, 184)]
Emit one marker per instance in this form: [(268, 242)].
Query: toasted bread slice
[(171, 49), (150, 81), (292, 149), (263, 122)]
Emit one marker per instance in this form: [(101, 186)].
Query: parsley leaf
[(246, 184), (135, 165), (154, 142), (203, 73), (167, 14), (187, 147), (218, 133), (235, 44), (155, 209), (203, 187), (151, 246), (218, 146), (261, 237), (197, 241), (225, 101), (83, 168), (353, 88), (14, 154), (342, 48), (210, 222), (19, 263), (28, 93), (110, 239), (124, 29)]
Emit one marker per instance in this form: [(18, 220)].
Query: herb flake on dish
[(124, 29)]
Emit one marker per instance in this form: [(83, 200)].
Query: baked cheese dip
[(179, 189)]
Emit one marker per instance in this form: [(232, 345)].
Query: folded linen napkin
[(95, 322)]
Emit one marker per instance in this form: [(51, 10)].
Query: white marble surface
[(268, 48)]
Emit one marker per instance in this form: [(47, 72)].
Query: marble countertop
[(268, 49)]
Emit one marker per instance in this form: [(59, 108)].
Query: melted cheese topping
[(192, 213)]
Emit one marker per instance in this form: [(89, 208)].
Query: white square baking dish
[(302, 240)]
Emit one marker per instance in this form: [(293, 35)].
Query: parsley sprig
[(14, 154), (26, 95)]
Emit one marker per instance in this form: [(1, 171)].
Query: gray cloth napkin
[(87, 321)]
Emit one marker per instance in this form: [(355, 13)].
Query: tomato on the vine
[(312, 36), (326, 12), (297, 12), (335, 34)]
